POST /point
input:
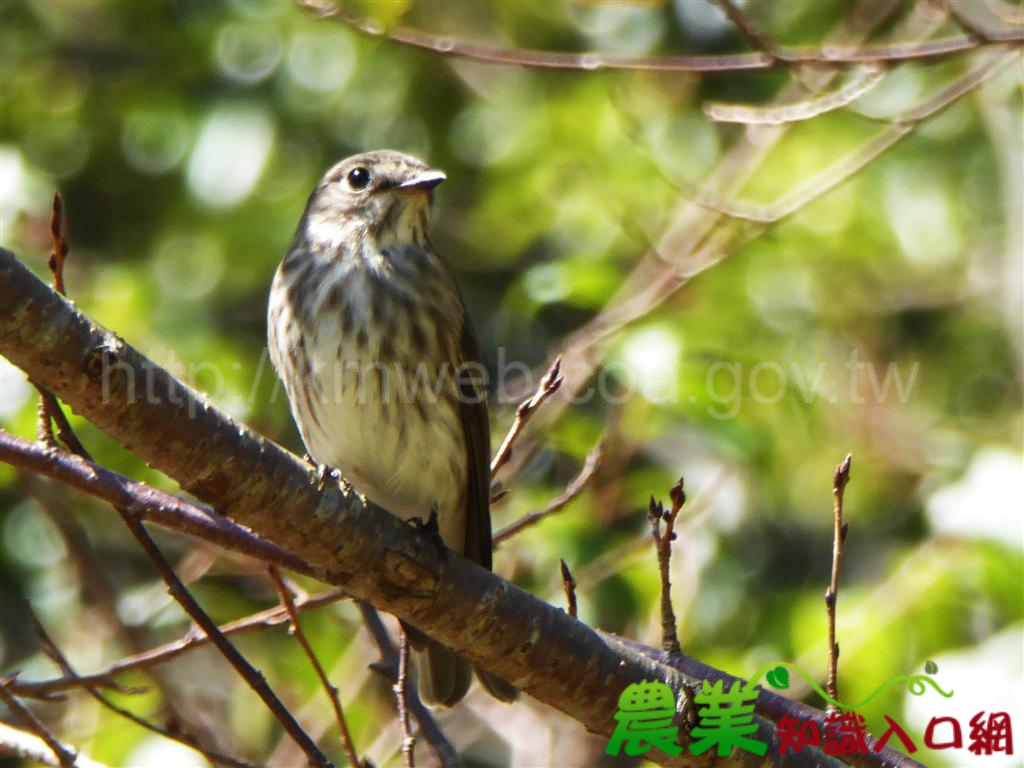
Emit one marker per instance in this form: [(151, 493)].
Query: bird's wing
[(476, 431)]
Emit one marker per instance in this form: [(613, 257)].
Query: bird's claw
[(323, 473), (430, 528)]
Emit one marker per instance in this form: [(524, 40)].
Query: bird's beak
[(424, 180)]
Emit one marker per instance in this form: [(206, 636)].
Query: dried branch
[(839, 481), (749, 32), (862, 81), (548, 385), (575, 487), (401, 689), (332, 692), (272, 617), (830, 56), (388, 667), (175, 732), (64, 756), (569, 585), (694, 241), (657, 514), (48, 406), (249, 673), (27, 746), (60, 244)]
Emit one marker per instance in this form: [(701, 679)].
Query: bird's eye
[(358, 178)]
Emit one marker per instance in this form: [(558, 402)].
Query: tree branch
[(839, 481), (371, 554), (332, 692), (163, 654), (723, 63), (59, 754)]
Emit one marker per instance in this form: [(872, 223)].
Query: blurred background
[(882, 319)]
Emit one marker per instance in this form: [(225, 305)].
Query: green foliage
[(185, 138)]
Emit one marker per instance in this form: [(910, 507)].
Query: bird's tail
[(444, 676)]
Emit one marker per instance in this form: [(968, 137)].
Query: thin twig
[(272, 617), (548, 385), (64, 755), (48, 406), (575, 487), (332, 692), (60, 244), (28, 746), (401, 689), (250, 674), (175, 732), (965, 22), (657, 514), (749, 32), (826, 57), (839, 481), (387, 667), (569, 585), (90, 571), (863, 81)]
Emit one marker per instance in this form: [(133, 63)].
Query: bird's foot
[(430, 528), (323, 473)]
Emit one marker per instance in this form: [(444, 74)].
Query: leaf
[(779, 677), (931, 667)]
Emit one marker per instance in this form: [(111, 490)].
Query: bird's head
[(385, 193)]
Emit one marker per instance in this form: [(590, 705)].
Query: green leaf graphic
[(779, 677), (931, 667)]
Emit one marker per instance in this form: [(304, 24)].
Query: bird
[(372, 340)]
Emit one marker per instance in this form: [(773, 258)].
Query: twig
[(48, 406), (588, 62), (28, 746), (401, 689), (387, 667), (839, 481), (149, 503), (1006, 11), (861, 83), (749, 32), (965, 22), (250, 674), (163, 654), (60, 244), (65, 756), (549, 384), (332, 692), (175, 732), (569, 585), (88, 570), (657, 514), (689, 241), (575, 487)]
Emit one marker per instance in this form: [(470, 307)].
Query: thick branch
[(373, 555)]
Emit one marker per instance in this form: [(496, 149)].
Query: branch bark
[(371, 554)]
